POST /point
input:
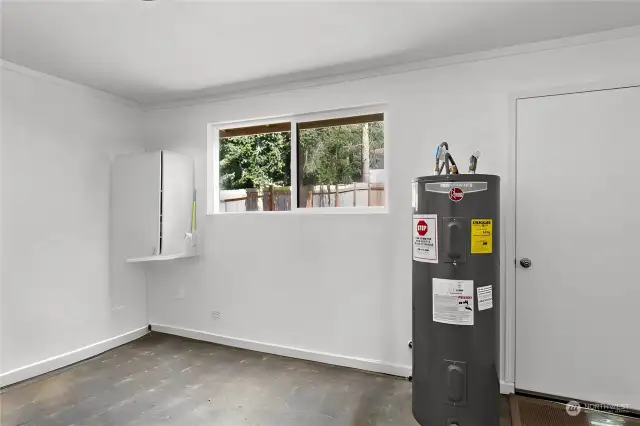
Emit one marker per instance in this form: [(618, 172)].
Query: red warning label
[(422, 228), (425, 238)]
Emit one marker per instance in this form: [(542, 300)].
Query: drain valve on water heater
[(456, 270)]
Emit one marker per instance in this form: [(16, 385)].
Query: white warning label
[(425, 238), (453, 301), (485, 298)]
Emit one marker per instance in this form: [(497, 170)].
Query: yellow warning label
[(481, 236)]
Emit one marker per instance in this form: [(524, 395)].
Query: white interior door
[(578, 221)]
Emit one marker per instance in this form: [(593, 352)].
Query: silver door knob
[(525, 263)]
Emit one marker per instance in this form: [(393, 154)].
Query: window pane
[(341, 162), (255, 169)]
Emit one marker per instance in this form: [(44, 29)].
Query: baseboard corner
[(507, 388), (59, 361)]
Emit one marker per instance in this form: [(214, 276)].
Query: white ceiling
[(169, 49)]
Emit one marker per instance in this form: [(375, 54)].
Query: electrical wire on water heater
[(449, 165)]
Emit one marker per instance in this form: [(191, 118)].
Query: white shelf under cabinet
[(160, 257), (189, 250)]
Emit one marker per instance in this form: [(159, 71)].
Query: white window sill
[(312, 211)]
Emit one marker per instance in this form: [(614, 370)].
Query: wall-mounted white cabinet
[(152, 204)]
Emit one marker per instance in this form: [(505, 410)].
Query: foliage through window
[(255, 168), (340, 163)]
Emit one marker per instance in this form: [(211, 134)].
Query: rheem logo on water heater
[(456, 194), (422, 228)]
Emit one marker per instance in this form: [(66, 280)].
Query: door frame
[(508, 369)]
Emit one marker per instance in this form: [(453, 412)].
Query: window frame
[(213, 159)]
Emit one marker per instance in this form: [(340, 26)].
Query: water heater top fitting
[(443, 155)]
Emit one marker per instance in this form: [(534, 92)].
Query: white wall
[(334, 284), (59, 292), (342, 284)]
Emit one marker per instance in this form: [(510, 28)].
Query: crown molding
[(19, 69), (389, 65), (395, 64)]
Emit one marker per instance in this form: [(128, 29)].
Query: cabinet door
[(177, 200), (135, 204)]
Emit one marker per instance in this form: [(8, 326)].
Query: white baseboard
[(326, 358), (507, 388), (53, 363)]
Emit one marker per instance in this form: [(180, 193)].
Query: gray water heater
[(456, 300)]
